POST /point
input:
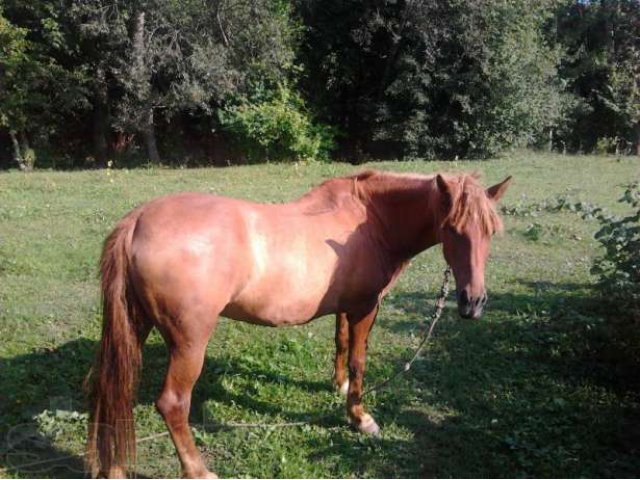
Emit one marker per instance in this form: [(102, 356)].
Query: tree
[(169, 58), (98, 31), (35, 91), (518, 96), (95, 67), (432, 78), (602, 69), (13, 61)]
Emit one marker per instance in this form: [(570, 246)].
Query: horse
[(180, 261)]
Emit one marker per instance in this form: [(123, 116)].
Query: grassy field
[(535, 389)]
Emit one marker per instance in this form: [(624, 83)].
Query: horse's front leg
[(340, 379), (359, 328)]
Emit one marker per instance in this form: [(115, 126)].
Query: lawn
[(535, 389)]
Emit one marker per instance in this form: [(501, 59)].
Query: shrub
[(277, 126), (619, 268)]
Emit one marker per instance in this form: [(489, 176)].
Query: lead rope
[(435, 316)]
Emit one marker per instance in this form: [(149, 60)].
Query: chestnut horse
[(178, 262)]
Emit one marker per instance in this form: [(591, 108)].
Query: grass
[(535, 389)]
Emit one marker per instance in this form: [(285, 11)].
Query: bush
[(277, 126), (619, 268)]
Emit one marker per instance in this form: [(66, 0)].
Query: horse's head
[(469, 221)]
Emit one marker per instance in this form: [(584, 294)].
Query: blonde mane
[(471, 203)]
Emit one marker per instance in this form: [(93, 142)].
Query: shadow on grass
[(545, 317), (29, 384), (524, 395), (51, 379), (535, 391), (522, 400)]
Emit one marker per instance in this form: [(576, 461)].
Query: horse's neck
[(404, 219)]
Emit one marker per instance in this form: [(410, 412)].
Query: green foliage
[(19, 75), (13, 56), (607, 145), (133, 67), (434, 78), (397, 78), (618, 269), (53, 424), (278, 127), (36, 92), (559, 203), (516, 71), (601, 67)]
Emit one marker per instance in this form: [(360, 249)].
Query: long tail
[(113, 380)]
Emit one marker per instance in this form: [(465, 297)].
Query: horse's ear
[(496, 192), (446, 193)]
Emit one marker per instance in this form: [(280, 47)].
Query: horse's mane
[(469, 202)]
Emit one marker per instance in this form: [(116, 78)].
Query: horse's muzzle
[(471, 307)]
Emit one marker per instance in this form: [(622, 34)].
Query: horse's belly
[(290, 275), (274, 314), (290, 301)]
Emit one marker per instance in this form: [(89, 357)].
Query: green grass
[(534, 389)]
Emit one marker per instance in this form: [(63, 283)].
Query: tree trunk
[(142, 80), (637, 129), (27, 154), (138, 44), (17, 152), (150, 138), (100, 118)]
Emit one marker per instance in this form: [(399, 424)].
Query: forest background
[(217, 82)]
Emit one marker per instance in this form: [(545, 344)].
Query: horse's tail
[(113, 380)]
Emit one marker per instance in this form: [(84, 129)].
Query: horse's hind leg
[(340, 379), (187, 353)]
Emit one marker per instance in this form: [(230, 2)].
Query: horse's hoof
[(344, 388), (369, 426)]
